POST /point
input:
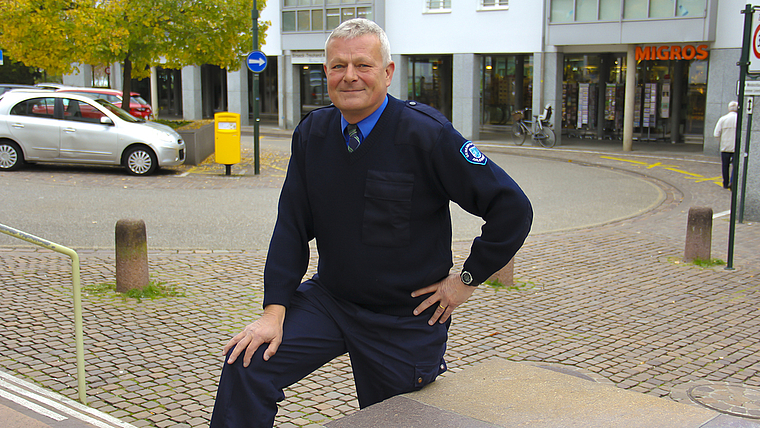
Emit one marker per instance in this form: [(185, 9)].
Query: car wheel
[(11, 156), (140, 161)]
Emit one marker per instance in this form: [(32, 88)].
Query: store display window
[(430, 82), (506, 87)]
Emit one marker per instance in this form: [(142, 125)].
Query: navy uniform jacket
[(380, 215)]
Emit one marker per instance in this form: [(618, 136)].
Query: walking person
[(725, 129), (370, 179)]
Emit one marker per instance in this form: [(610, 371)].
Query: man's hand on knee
[(266, 329)]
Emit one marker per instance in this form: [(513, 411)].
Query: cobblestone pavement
[(615, 301)]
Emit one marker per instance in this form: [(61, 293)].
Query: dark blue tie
[(354, 139)]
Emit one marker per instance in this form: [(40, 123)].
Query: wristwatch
[(467, 278)]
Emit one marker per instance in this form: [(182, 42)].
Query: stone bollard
[(698, 234), (131, 255), (506, 275)]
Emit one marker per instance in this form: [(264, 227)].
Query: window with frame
[(612, 10), (494, 4), (80, 111), (35, 107), (436, 6), (321, 15)]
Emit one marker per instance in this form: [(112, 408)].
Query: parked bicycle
[(539, 129)]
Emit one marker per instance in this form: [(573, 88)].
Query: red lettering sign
[(674, 52)]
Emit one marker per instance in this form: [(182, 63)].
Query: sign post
[(745, 156), (750, 38), (257, 62)]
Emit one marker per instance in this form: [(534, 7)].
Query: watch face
[(466, 277)]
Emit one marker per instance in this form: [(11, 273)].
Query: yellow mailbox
[(227, 138)]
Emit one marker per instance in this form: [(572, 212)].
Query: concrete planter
[(199, 143)]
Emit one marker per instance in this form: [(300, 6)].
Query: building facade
[(622, 71), (481, 60)]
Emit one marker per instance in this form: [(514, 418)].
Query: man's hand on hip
[(447, 294), (267, 329)]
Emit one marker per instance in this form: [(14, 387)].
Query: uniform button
[(419, 380), (412, 103), (443, 367)]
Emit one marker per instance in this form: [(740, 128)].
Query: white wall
[(271, 12), (465, 29), (730, 24)]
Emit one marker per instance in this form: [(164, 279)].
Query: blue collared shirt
[(367, 124)]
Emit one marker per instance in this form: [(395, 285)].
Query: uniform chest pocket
[(387, 209)]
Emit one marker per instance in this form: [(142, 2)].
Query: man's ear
[(389, 69)]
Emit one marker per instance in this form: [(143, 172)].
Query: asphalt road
[(79, 207)]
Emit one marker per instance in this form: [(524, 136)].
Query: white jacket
[(725, 129)]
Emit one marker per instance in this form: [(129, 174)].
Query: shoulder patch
[(472, 154)]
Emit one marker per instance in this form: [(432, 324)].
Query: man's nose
[(350, 75)]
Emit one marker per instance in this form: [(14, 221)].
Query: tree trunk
[(127, 85)]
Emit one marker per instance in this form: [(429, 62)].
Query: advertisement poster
[(665, 101), (583, 93)]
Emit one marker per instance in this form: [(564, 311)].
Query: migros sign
[(674, 52)]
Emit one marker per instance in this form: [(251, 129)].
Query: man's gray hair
[(358, 27), (733, 106)]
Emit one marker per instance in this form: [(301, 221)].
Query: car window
[(139, 100), (81, 111), (96, 96), (123, 115), (35, 107)]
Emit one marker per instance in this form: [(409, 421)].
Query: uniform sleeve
[(483, 189), (288, 256)]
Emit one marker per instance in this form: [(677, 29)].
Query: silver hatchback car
[(45, 126)]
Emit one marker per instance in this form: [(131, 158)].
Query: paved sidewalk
[(614, 301)]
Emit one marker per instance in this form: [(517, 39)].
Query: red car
[(138, 107)]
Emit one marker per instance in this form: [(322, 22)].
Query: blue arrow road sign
[(257, 61)]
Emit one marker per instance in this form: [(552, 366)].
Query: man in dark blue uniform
[(370, 178)]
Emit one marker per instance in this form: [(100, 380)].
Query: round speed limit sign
[(754, 65)]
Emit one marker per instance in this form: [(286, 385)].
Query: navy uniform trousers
[(390, 355)]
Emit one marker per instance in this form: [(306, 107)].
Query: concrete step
[(501, 393)]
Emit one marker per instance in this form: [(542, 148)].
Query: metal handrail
[(78, 329)]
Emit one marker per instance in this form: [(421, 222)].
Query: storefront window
[(313, 88), (697, 98), (593, 93), (506, 87), (430, 82)]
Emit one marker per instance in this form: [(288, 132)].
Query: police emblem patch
[(472, 154)]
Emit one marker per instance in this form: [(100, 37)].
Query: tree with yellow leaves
[(56, 35)]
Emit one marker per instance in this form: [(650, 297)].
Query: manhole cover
[(730, 399)]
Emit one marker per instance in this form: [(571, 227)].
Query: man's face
[(357, 80)]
